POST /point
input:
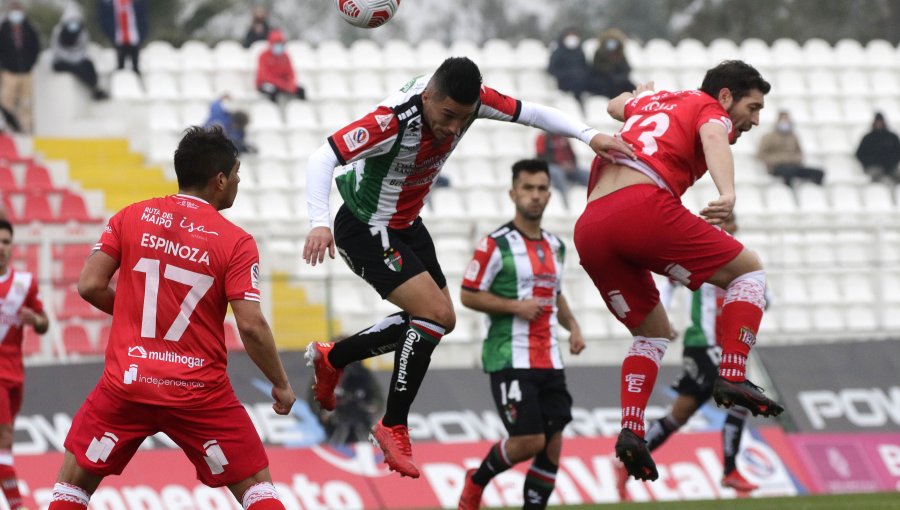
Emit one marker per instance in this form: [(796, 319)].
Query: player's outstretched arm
[(720, 162), (319, 174), (556, 122), (260, 345), (93, 285)]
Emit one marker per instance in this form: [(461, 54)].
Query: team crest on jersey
[(393, 260), (356, 138), (539, 251), (384, 121), (472, 270), (512, 414)]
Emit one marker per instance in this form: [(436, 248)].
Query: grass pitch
[(878, 501)]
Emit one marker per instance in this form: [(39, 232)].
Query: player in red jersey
[(634, 223), (180, 264), (20, 306)]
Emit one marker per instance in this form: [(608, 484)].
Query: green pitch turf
[(879, 501)]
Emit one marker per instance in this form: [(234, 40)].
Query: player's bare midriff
[(615, 177)]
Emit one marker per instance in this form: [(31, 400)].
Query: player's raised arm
[(319, 173), (616, 106), (260, 345), (93, 285)]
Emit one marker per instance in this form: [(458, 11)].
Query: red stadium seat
[(8, 150), (37, 178), (72, 251), (71, 270), (8, 180), (73, 208), (37, 208), (11, 213), (76, 341), (31, 343), (25, 257), (232, 338), (74, 306)]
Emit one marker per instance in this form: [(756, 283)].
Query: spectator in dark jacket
[(69, 47), (125, 24), (879, 151), (233, 123), (564, 170), (19, 49), (610, 70), (569, 65), (275, 73), (259, 27)]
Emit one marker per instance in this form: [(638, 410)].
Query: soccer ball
[(367, 13)]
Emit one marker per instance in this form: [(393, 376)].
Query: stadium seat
[(429, 54), (76, 341), (822, 82), (532, 54), (828, 319), (229, 55), (9, 153), (854, 82), (498, 54), (468, 48), (37, 208), (26, 257), (301, 144), (73, 208), (73, 306), (31, 343), (817, 53), (195, 85), (271, 145), (195, 56), (849, 54), (8, 181), (237, 85), (885, 83), (277, 207), (692, 53), (823, 290), (861, 318), (722, 49), (301, 115), (877, 199), (501, 81), (792, 290), (333, 85), (399, 54), (265, 116), (124, 85), (819, 249), (333, 116), (756, 52), (857, 288), (368, 86), (161, 86), (332, 55), (659, 54), (163, 117), (303, 58), (813, 202), (790, 82), (881, 54), (193, 113), (365, 54), (786, 53), (447, 204), (159, 56), (780, 201), (243, 209), (854, 248), (37, 179)]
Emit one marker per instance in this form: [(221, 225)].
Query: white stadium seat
[(786, 53), (229, 55), (659, 54), (692, 53), (466, 48), (399, 54), (125, 86), (722, 49), (532, 54), (881, 54), (823, 290), (196, 86), (818, 53), (498, 54), (303, 58), (849, 53), (161, 86), (365, 54), (429, 54), (265, 116), (196, 56), (160, 56), (756, 52), (332, 55)]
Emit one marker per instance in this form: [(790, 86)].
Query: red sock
[(9, 483), (740, 320), (262, 496), (639, 372), (66, 505)]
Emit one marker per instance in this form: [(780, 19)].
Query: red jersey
[(17, 289), (180, 263), (664, 129)]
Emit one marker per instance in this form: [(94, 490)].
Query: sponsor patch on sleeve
[(254, 276), (356, 138)]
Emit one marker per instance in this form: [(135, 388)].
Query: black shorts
[(532, 401), (386, 257), (701, 366)]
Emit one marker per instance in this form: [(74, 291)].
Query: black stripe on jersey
[(515, 116), (408, 110), (337, 151)]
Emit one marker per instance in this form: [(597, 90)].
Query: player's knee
[(6, 437), (531, 445), (444, 315)]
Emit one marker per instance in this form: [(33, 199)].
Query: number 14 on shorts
[(513, 394)]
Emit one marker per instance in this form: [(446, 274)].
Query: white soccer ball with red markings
[(367, 13)]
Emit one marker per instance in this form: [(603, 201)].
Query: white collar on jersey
[(191, 197)]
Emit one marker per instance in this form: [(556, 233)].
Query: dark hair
[(202, 153), (5, 225), (735, 75), (531, 166), (459, 78), (240, 119)]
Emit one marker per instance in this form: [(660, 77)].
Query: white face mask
[(784, 126), (277, 49), (571, 41), (16, 17), (611, 45)]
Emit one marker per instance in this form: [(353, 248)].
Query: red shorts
[(10, 403), (219, 440), (625, 235)]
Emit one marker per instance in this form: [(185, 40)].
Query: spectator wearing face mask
[(275, 74), (780, 151), (69, 47), (610, 71), (569, 65), (259, 27), (19, 49)]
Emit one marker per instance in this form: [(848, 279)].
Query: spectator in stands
[(233, 123), (610, 72), (564, 170), (879, 151), (21, 307), (125, 24), (780, 151), (69, 46), (19, 49), (568, 64), (259, 27), (275, 73)]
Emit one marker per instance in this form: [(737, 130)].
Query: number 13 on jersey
[(648, 136)]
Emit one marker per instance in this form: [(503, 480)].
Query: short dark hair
[(6, 225), (202, 153), (459, 78), (532, 166), (735, 75)]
